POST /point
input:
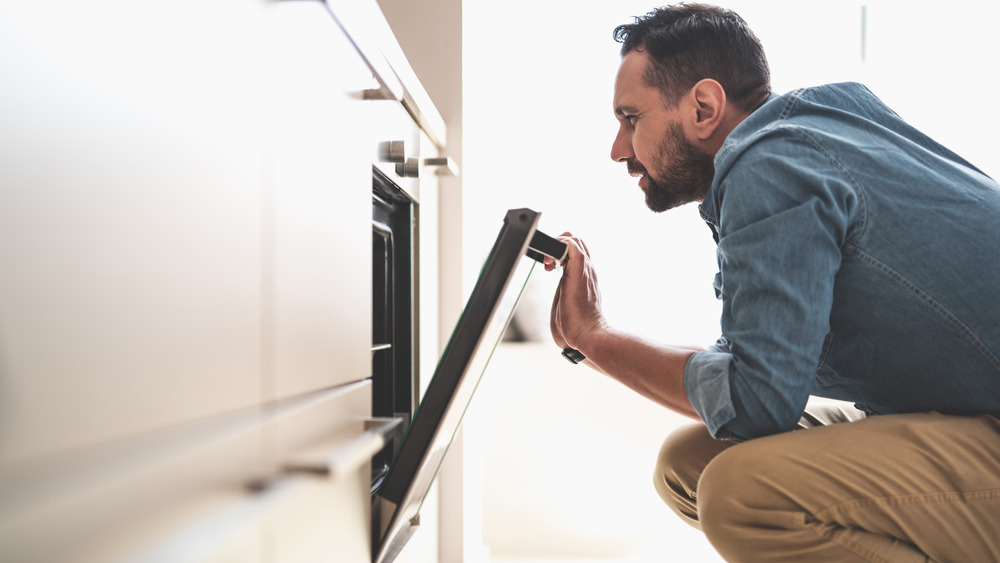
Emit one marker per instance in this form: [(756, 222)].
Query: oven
[(395, 320)]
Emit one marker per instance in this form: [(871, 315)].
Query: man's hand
[(576, 307), (655, 371)]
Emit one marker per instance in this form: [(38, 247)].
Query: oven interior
[(394, 310)]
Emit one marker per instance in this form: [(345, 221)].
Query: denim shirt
[(858, 260)]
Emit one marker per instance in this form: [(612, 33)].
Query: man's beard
[(685, 174)]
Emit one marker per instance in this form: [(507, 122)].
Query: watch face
[(440, 412)]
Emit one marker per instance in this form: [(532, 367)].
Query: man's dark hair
[(689, 42)]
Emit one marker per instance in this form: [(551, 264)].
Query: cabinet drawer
[(323, 520), (228, 488), (319, 443), (317, 286), (130, 219), (132, 499)]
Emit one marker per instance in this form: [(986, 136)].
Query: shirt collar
[(707, 211)]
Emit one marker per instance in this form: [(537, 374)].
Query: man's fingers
[(554, 325)]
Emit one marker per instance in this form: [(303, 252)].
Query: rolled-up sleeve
[(782, 225), (706, 382)]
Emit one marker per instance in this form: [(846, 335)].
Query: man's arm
[(654, 371)]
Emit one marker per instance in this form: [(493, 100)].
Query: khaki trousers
[(911, 487)]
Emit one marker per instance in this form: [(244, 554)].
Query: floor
[(697, 551), (568, 458)]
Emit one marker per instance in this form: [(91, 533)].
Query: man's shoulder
[(840, 109), (798, 106), (783, 149)]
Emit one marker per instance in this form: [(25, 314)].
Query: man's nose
[(621, 148)]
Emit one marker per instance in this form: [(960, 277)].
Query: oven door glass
[(458, 373)]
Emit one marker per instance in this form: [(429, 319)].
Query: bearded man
[(858, 261)]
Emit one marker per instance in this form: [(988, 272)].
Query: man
[(859, 260)]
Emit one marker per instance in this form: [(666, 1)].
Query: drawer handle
[(447, 165), (348, 456)]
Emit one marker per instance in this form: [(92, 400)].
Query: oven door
[(518, 248)]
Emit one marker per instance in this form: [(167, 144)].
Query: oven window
[(394, 309)]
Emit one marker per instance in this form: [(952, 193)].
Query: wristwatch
[(573, 355)]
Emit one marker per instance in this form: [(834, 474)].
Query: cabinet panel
[(324, 512), (185, 219), (130, 220), (174, 495), (323, 520), (320, 187)]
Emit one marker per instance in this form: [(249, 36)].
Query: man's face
[(651, 141)]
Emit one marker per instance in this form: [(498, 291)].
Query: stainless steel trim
[(345, 457), (447, 165), (366, 27)]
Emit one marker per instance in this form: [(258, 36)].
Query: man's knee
[(673, 465), (682, 458), (724, 510), (749, 499)]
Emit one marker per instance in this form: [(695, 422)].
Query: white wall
[(568, 455)]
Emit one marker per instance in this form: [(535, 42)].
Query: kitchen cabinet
[(186, 290), (130, 220), (320, 149)]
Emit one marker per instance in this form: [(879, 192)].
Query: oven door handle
[(543, 245)]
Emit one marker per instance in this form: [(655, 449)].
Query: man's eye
[(631, 119)]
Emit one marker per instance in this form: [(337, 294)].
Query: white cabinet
[(185, 279), (318, 217), (130, 219), (322, 509)]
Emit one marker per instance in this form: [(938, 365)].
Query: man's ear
[(709, 100)]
